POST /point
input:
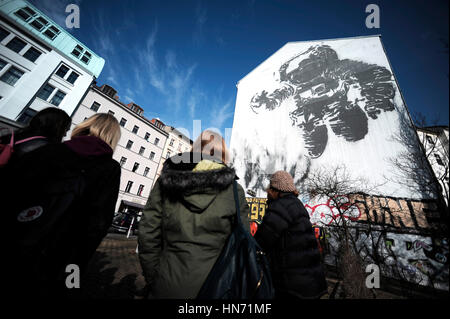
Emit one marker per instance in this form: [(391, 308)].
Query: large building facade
[(176, 143), (331, 113), (41, 64), (140, 146)]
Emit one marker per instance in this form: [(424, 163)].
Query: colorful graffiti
[(328, 212), (411, 250)]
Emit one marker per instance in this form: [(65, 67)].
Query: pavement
[(115, 273)]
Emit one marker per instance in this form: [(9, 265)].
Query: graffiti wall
[(316, 103), (400, 239)]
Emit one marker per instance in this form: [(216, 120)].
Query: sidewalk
[(114, 272)]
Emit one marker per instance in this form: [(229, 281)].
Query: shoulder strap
[(236, 201), (29, 139)]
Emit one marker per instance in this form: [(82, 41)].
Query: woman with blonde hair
[(188, 218), (63, 197)]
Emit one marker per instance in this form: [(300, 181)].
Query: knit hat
[(282, 181)]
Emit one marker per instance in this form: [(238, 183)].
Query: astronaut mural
[(315, 103), (330, 93), (320, 104)]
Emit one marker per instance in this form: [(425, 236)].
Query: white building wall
[(36, 74), (132, 155), (436, 150)]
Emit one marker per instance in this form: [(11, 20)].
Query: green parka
[(185, 224)]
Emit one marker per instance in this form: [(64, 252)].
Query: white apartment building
[(435, 142), (176, 143), (140, 146), (41, 64)]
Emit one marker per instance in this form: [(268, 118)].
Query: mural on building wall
[(335, 103), (321, 102)]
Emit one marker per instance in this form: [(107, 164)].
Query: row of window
[(130, 185), (38, 22), (141, 150), (42, 25), (16, 44), (123, 160), (95, 107), (172, 141)]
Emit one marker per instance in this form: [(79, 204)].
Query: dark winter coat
[(287, 236), (80, 233), (185, 225)]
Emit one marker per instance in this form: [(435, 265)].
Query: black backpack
[(41, 219), (242, 270)]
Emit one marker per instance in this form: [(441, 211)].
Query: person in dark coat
[(48, 126), (83, 173), (188, 218), (287, 236)]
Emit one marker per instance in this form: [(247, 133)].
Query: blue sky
[(181, 60)]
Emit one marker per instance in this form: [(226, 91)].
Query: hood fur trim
[(182, 181)]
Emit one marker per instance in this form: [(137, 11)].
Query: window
[(32, 54), (439, 160), (430, 140), (3, 34), (156, 141), (39, 23), (146, 171), (141, 150), (168, 154), (140, 190), (25, 13), (152, 155), (51, 32), (45, 92), (62, 71), (129, 144), (26, 116), (2, 64), (171, 142), (57, 98), (129, 185), (147, 135), (86, 57), (111, 112), (77, 51), (135, 167), (123, 121), (11, 76), (72, 77), (95, 106), (16, 44), (123, 160), (135, 129)]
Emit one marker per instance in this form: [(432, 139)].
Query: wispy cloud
[(221, 113), (200, 20)]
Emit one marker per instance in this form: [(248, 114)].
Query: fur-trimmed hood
[(196, 189)]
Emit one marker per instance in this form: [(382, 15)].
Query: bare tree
[(336, 185)]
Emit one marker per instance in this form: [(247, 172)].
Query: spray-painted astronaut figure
[(330, 93)]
